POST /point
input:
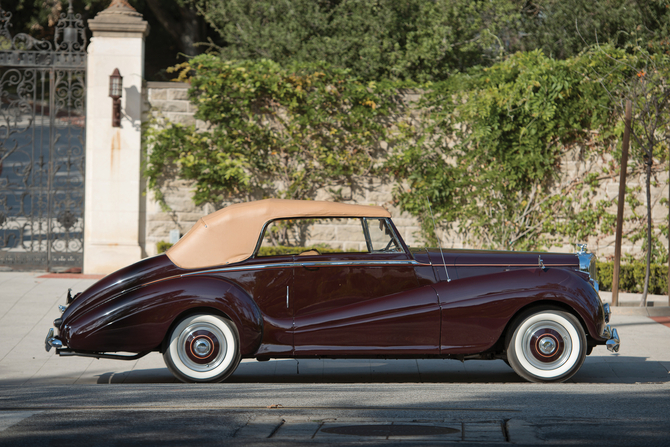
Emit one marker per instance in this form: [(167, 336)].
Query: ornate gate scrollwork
[(42, 125)]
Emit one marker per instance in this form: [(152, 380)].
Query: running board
[(100, 355)]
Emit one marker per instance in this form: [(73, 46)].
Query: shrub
[(163, 246), (631, 277)]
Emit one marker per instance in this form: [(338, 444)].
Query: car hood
[(475, 258), (128, 278)]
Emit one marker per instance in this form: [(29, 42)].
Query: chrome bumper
[(52, 342), (608, 312), (613, 340)]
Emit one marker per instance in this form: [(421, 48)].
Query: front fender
[(138, 320), (476, 310)]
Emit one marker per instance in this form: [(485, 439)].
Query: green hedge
[(163, 246), (631, 277)]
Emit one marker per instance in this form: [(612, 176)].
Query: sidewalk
[(29, 304), (629, 304)]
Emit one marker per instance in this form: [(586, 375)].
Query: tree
[(175, 26), (649, 90), (423, 40), (376, 39), (565, 28)]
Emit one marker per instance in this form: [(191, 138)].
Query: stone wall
[(169, 100)]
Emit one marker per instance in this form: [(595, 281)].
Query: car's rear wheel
[(203, 348), (546, 346)]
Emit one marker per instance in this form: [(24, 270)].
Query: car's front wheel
[(546, 346), (203, 348)]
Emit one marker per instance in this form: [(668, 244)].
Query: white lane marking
[(9, 418)]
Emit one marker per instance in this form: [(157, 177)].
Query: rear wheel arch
[(218, 296)]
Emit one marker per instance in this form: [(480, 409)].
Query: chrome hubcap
[(547, 345), (202, 347)]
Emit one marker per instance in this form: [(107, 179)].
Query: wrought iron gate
[(42, 124)]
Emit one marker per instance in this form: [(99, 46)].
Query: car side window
[(313, 236), (382, 236)]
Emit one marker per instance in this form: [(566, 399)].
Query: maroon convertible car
[(308, 279)]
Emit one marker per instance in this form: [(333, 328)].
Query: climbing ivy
[(272, 131), (483, 147), (487, 156)]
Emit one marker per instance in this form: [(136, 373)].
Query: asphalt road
[(380, 413)]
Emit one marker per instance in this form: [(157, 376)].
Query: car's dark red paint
[(414, 303), (138, 319), (335, 310)]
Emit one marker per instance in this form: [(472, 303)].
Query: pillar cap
[(119, 20)]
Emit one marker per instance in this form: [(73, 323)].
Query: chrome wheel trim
[(184, 346), (563, 340), (570, 339), (547, 345), (220, 331)]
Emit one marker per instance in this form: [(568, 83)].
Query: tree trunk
[(643, 302)]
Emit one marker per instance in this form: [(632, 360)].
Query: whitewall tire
[(203, 348), (547, 345)]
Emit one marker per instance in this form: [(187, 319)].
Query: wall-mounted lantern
[(115, 92)]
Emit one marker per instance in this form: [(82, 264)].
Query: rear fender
[(139, 320)]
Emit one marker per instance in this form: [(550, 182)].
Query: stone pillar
[(113, 154)]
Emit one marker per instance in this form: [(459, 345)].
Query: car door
[(268, 280), (366, 303)]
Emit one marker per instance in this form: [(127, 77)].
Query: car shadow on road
[(619, 369)]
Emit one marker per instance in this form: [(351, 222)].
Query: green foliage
[(564, 28), (176, 29), (376, 39), (488, 155), (273, 131), (424, 40), (295, 250), (631, 277), (163, 246)]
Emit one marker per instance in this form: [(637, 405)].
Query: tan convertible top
[(230, 234)]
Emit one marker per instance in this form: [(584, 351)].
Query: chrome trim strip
[(502, 265), (353, 263), (299, 264), (338, 263)]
